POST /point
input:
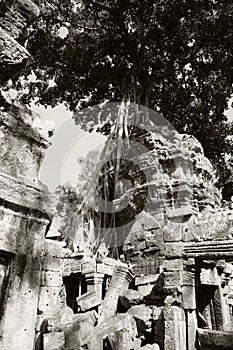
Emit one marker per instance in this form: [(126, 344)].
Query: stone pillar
[(175, 328), (94, 283), (221, 311), (120, 281), (221, 297), (189, 303), (191, 320)]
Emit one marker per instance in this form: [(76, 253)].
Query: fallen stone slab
[(145, 284), (78, 328), (130, 297), (119, 284), (88, 301), (53, 341), (215, 340), (122, 325), (150, 347), (143, 316)]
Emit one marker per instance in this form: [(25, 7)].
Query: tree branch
[(102, 6)]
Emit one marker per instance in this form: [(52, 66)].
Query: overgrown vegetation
[(172, 56)]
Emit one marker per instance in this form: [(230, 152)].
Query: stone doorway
[(75, 286)]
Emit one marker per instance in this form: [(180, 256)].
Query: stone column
[(120, 281), (94, 283), (189, 302), (175, 328), (222, 293), (221, 311)]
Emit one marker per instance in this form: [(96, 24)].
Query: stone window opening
[(75, 286)]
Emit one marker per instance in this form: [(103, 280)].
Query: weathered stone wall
[(24, 221), (23, 216), (15, 17)]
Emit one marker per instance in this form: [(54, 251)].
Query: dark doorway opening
[(75, 285)]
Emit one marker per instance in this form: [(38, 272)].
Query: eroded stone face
[(13, 57), (18, 158), (15, 18), (17, 15)]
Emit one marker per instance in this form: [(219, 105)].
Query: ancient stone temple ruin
[(171, 287)]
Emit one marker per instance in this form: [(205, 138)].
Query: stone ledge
[(23, 197), (210, 249)]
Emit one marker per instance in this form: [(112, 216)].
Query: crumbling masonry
[(172, 288)]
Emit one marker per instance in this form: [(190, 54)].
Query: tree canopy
[(172, 56)]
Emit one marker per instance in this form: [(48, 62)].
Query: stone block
[(119, 284), (104, 268), (50, 263), (8, 239), (146, 266), (121, 340), (54, 341), (188, 278), (55, 323), (172, 279), (172, 233), (88, 301), (142, 280), (173, 313), (173, 250), (175, 328), (173, 264), (79, 332), (53, 249), (210, 277), (51, 279), (70, 265), (111, 326), (192, 329), (150, 347), (51, 299), (142, 315), (136, 344), (130, 297), (88, 266), (78, 328), (216, 340), (145, 289), (188, 297), (190, 263)]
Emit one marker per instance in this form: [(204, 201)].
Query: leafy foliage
[(173, 56)]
